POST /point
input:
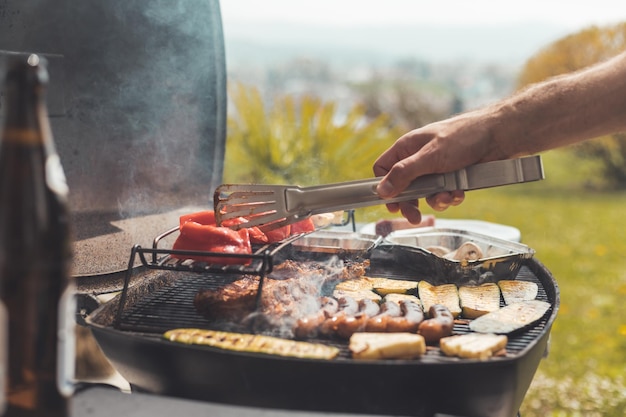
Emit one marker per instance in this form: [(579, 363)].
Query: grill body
[(424, 387)]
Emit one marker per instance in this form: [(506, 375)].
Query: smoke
[(294, 290), (138, 95)]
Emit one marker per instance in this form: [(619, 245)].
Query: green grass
[(579, 235)]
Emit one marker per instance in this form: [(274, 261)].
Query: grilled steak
[(293, 290), (234, 301)]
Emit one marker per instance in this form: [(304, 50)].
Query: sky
[(439, 30), (570, 14)]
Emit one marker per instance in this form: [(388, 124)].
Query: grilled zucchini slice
[(514, 291), (385, 286), (479, 299), (358, 295), (445, 294), (357, 284), (510, 318), (253, 343), (402, 297)]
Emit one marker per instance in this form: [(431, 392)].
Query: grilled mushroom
[(468, 251)]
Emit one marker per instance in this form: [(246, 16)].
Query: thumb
[(386, 189)]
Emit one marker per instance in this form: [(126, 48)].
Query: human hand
[(435, 148), (439, 202)]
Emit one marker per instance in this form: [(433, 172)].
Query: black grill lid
[(137, 101)]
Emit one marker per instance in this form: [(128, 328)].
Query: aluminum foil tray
[(501, 259), (337, 242)]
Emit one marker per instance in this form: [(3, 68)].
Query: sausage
[(384, 227), (348, 307), (378, 323), (439, 325), (368, 307), (409, 321), (329, 306), (309, 326), (345, 326), (412, 311), (390, 308)]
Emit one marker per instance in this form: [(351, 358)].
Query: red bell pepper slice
[(278, 234), (303, 226), (195, 234), (208, 217), (198, 232), (202, 217), (256, 235)]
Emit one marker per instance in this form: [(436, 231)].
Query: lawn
[(579, 235)]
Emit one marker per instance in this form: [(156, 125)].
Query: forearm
[(557, 112), (562, 110)]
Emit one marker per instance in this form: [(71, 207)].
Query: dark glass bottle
[(36, 293)]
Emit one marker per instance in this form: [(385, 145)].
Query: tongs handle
[(355, 194), (362, 193)]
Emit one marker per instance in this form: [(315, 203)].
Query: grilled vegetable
[(473, 345), (385, 286), (303, 226), (358, 284), (207, 217), (402, 297), (446, 294), (437, 250), (386, 345), (357, 294), (209, 238), (252, 343), (199, 232), (478, 300), (510, 318), (202, 217), (278, 234), (514, 291), (468, 251)]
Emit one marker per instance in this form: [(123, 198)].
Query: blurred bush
[(301, 141)]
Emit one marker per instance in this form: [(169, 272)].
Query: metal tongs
[(273, 206)]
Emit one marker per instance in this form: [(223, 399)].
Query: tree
[(572, 53)]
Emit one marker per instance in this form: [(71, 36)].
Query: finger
[(403, 172), (393, 207), (458, 196), (404, 147), (400, 165), (411, 212), (442, 201)]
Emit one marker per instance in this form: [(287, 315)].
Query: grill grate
[(172, 307)]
